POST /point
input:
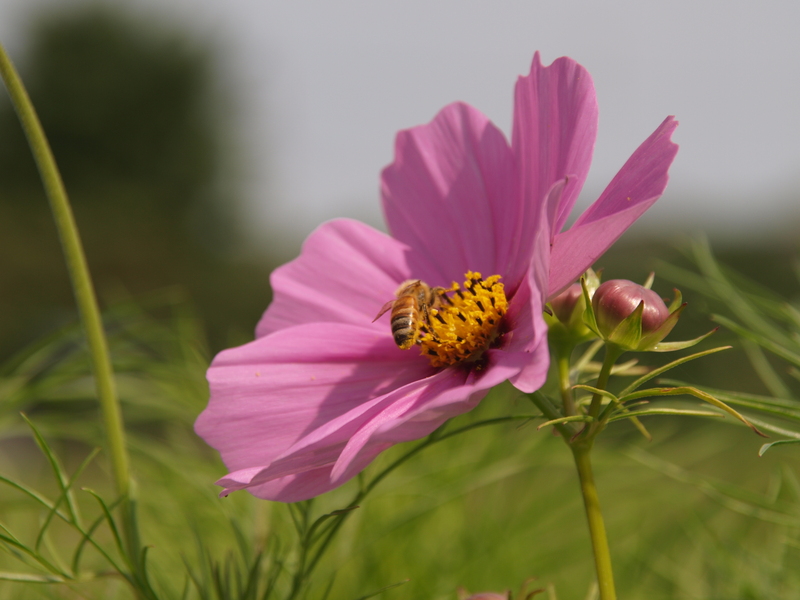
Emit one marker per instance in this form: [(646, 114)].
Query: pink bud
[(564, 304), (615, 300)]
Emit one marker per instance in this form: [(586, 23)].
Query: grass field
[(693, 514)]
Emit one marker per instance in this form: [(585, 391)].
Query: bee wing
[(383, 309)]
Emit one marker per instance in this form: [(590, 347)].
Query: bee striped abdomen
[(405, 321)]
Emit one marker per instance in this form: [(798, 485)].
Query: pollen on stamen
[(463, 328)]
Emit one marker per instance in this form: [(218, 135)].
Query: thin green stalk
[(562, 363), (612, 354), (552, 413), (84, 293), (581, 447), (597, 528), (326, 537)]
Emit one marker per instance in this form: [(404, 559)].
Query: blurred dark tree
[(136, 120)]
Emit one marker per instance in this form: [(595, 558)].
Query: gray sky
[(324, 85)]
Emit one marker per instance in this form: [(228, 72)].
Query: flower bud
[(566, 302), (633, 317), (567, 327), (524, 592), (615, 300)]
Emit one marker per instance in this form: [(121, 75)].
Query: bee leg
[(438, 295), (428, 328), (425, 327)]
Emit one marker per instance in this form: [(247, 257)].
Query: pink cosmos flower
[(323, 389)]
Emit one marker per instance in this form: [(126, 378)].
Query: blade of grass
[(383, 589), (35, 496), (437, 436), (10, 540), (30, 578), (730, 498), (764, 370), (766, 447), (87, 538), (82, 286), (64, 495), (762, 340), (732, 296), (58, 472), (112, 526)]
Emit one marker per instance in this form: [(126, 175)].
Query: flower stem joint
[(631, 316)]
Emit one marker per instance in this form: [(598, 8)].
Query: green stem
[(581, 447), (83, 289), (597, 528), (612, 354), (562, 363)]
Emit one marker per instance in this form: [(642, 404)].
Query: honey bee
[(411, 310)]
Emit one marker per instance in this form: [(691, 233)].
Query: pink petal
[(328, 398), (345, 273), (411, 416), (525, 347), (639, 183), (336, 451), (450, 195), (322, 446), (292, 488), (406, 414), (393, 424), (555, 126), (524, 352), (266, 395)]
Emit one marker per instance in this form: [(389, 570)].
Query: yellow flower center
[(465, 323)]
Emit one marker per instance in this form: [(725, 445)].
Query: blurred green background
[(147, 144), (143, 135)]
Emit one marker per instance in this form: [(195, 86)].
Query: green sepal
[(563, 338), (676, 302), (654, 337), (628, 333), (588, 314)]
